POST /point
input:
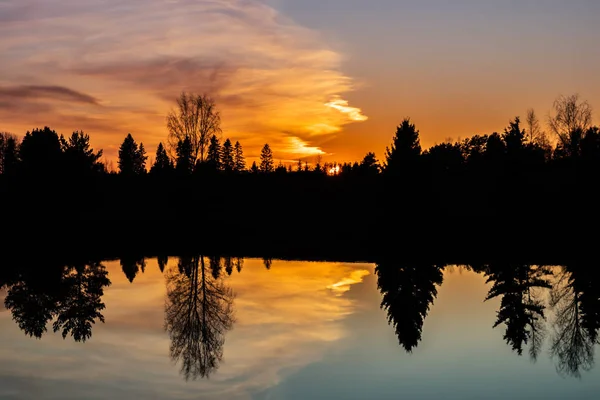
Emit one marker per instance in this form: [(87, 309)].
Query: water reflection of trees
[(71, 295), (521, 308), (407, 294), (526, 293), (198, 313), (576, 301)]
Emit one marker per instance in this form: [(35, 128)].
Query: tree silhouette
[(514, 137), (227, 156), (570, 116), (162, 163), (198, 313), (407, 293), (369, 165), (40, 152), (238, 157), (79, 156), (254, 168), (405, 149), (132, 158), (185, 160), (590, 146), (9, 153), (281, 169), (213, 156), (535, 134), (444, 157), (195, 119), (266, 159)]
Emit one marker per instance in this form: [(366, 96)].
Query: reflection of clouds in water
[(286, 318)]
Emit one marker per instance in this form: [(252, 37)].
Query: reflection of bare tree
[(198, 313), (572, 344)]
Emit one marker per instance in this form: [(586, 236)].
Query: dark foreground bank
[(543, 218)]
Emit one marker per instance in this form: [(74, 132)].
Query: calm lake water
[(261, 329)]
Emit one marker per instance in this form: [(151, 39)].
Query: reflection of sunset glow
[(344, 285), (355, 114)]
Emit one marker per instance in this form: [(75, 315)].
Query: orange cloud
[(274, 81)]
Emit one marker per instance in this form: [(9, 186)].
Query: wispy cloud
[(275, 81), (46, 92)]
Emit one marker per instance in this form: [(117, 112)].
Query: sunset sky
[(311, 77)]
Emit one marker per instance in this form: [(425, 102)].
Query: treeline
[(513, 188), (193, 150)]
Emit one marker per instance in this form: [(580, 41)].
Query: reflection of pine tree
[(520, 309), (82, 303), (198, 313), (239, 264), (132, 265), (228, 265), (576, 301), (407, 294), (215, 266), (267, 262), (162, 262)]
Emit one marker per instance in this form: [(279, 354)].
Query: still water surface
[(262, 329)]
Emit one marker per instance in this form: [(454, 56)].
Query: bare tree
[(535, 134), (569, 115), (196, 118), (534, 130)]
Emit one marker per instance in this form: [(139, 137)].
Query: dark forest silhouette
[(478, 188)]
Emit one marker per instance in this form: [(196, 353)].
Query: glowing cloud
[(297, 146), (355, 114), (109, 69)]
